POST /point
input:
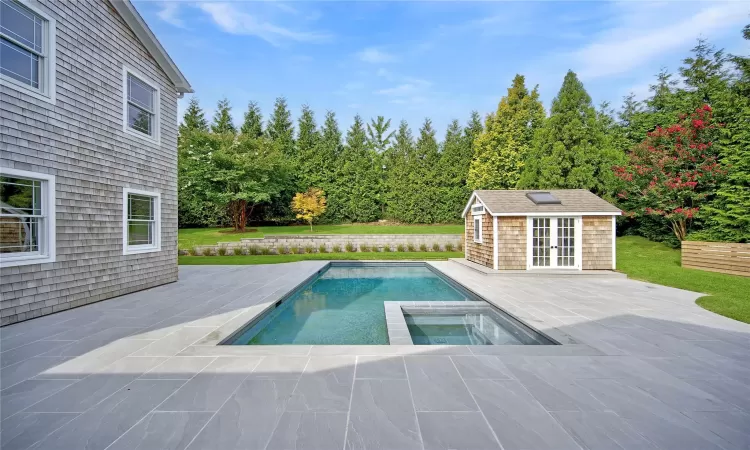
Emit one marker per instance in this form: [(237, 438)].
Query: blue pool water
[(344, 305)]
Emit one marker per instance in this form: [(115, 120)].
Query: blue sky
[(411, 60)]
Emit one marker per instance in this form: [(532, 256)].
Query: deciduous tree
[(309, 205)]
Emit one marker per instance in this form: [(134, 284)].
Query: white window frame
[(144, 248), (477, 235), (47, 57), (47, 243), (156, 136)]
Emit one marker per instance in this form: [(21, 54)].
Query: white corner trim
[(49, 67), (156, 137), (614, 243), (156, 246), (495, 249), (49, 254)]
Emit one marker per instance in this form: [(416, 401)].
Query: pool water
[(344, 305)]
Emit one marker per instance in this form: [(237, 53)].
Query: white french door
[(554, 242)]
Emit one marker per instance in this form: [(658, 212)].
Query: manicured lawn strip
[(231, 260), (641, 259), (190, 237)]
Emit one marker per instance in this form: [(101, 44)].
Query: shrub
[(435, 247), (386, 248), (422, 247), (400, 248), (336, 249), (253, 250), (350, 247), (222, 251), (309, 249), (322, 249), (449, 247), (283, 250), (265, 251), (294, 250), (460, 247), (208, 251), (193, 251), (237, 251), (364, 248), (411, 247)]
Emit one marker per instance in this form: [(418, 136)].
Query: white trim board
[(556, 214), (133, 19)]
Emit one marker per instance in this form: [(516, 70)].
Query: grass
[(190, 237), (276, 259), (657, 263)]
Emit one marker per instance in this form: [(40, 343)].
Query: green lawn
[(276, 259), (728, 295), (190, 237)]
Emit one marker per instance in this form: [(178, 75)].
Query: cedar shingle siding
[(511, 236), (80, 140), (597, 243), (479, 253)]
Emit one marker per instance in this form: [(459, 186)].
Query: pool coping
[(216, 342)]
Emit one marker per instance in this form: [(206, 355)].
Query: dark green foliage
[(223, 119), (194, 118), (377, 134), (400, 248), (422, 247), (350, 247), (453, 167), (253, 123), (572, 149), (322, 249), (435, 247), (336, 249), (281, 128), (358, 179), (237, 251)]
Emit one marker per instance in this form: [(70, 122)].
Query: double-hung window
[(27, 217), (27, 49), (140, 106), (141, 230)]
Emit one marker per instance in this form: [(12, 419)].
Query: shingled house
[(540, 230), (88, 155)]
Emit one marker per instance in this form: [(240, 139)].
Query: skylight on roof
[(543, 198)]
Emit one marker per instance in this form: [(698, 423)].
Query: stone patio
[(648, 369)]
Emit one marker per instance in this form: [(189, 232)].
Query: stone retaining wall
[(379, 241)]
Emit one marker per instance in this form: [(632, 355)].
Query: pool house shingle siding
[(71, 136), (568, 229)]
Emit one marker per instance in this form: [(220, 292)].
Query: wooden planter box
[(724, 257)]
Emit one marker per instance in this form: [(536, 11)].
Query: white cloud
[(639, 39), (169, 14), (233, 19), (374, 55)]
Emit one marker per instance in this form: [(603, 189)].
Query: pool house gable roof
[(517, 203)]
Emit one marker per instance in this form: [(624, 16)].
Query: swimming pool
[(344, 304)]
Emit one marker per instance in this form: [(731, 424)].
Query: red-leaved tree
[(673, 171)]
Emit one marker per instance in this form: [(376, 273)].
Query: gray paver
[(648, 368), (382, 416), (456, 431)]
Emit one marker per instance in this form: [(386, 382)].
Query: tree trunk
[(679, 227)]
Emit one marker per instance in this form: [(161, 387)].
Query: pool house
[(564, 229)]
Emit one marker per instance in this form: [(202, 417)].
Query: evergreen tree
[(223, 118), (323, 167), (503, 146), (193, 119), (422, 166), (728, 216), (253, 123), (307, 144), (453, 168), (359, 178), (378, 135), (397, 189), (571, 150), (628, 115), (280, 127)]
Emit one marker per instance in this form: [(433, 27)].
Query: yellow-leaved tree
[(309, 205)]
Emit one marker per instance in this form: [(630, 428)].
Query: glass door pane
[(541, 242), (566, 242)]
